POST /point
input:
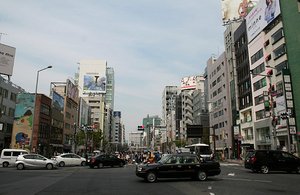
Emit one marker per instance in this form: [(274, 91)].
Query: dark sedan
[(103, 160), (178, 166)]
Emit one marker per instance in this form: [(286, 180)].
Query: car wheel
[(264, 169), (151, 177), (62, 164), (49, 166), (100, 165), (20, 166), (5, 164), (121, 164), (82, 163), (202, 176)]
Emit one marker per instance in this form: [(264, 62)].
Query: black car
[(272, 160), (105, 160), (178, 166)]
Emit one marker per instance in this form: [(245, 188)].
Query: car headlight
[(140, 168)]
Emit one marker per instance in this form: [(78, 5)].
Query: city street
[(234, 179)]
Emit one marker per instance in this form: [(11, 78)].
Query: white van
[(8, 156)]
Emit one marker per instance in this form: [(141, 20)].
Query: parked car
[(34, 161), (69, 159), (272, 160), (103, 160), (178, 166), (8, 156)]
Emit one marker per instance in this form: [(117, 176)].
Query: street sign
[(293, 130)]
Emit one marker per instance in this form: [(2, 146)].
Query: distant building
[(8, 98)]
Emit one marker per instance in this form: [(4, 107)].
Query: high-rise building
[(218, 94), (92, 85), (168, 111)]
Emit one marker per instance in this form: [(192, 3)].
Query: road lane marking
[(241, 179)]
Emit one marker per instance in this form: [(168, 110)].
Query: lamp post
[(34, 107)]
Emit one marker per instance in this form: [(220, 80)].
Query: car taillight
[(92, 160), (253, 159)]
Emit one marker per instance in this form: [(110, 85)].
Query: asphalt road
[(234, 179)]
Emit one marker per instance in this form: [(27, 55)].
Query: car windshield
[(164, 158)]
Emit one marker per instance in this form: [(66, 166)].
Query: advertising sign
[(92, 77), (260, 16), (72, 91), (7, 59), (22, 128), (188, 82), (94, 83), (235, 9), (58, 101)]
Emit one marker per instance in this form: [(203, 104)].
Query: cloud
[(150, 44)]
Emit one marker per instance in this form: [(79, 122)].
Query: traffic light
[(267, 105), (141, 128)]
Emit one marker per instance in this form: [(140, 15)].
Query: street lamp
[(34, 107)]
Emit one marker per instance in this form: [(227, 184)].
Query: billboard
[(188, 82), (72, 91), (235, 9), (92, 77), (22, 127), (260, 16), (7, 59), (58, 101), (94, 83)]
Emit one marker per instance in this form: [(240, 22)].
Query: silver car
[(34, 161), (69, 159)]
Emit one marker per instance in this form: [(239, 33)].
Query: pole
[(214, 138), (34, 106), (288, 132)]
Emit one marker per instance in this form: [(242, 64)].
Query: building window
[(45, 109), (259, 99), (68, 115), (4, 93), (259, 84), (69, 105), (257, 56), (11, 112), (279, 51), (260, 114), (282, 65), (259, 69), (277, 36), (67, 126), (13, 97), (3, 110)]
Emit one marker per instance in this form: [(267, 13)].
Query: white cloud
[(150, 44)]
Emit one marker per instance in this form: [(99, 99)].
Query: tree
[(97, 137)]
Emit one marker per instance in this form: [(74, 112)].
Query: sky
[(149, 43)]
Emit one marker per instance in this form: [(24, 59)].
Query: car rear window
[(260, 154)]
